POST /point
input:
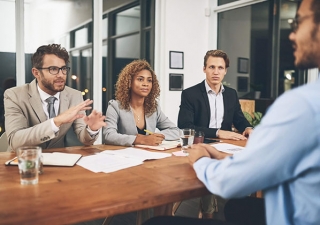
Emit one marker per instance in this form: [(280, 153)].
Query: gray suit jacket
[(121, 128), (27, 124)]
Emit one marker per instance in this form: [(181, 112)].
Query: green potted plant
[(253, 120)]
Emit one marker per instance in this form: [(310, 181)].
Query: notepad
[(165, 145), (53, 159)]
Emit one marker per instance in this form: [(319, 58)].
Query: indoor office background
[(254, 33)]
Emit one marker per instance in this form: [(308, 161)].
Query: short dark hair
[(315, 7), (55, 49), (216, 53)]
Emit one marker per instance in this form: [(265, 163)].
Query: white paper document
[(113, 160), (228, 148), (165, 145)]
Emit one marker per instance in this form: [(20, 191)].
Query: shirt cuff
[(53, 126), (91, 132), (217, 133)]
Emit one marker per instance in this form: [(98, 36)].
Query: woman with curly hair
[(136, 109)]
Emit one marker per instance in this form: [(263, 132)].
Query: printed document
[(228, 148), (113, 160)]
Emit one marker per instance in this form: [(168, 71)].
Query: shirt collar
[(44, 95), (208, 88)]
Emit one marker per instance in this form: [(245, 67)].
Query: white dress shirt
[(216, 106)]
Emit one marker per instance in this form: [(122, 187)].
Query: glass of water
[(186, 138), (28, 163)]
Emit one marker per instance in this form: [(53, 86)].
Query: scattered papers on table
[(228, 148), (180, 153), (113, 160), (165, 145)]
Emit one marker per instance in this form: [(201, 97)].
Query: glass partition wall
[(127, 34), (261, 55)]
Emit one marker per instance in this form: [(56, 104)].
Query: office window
[(81, 37), (105, 28), (128, 21), (222, 2), (251, 24)]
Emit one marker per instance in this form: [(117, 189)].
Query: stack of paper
[(228, 148), (110, 161)]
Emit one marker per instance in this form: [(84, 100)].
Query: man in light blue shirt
[(282, 156)]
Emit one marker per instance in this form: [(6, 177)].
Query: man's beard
[(311, 58), (308, 61), (50, 86)]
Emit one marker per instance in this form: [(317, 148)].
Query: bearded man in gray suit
[(31, 118)]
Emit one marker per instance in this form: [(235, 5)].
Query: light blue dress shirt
[(282, 158)]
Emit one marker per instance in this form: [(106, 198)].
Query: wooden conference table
[(66, 195)]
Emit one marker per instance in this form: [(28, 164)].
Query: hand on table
[(223, 134), (198, 151), (151, 139), (247, 131)]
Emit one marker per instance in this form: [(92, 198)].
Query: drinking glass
[(28, 163), (186, 138), (198, 137)]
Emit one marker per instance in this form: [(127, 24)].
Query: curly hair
[(216, 53), (123, 86), (55, 49)]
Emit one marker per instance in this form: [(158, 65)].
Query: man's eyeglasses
[(54, 70), (296, 21)]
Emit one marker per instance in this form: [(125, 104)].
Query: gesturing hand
[(72, 113), (95, 120)]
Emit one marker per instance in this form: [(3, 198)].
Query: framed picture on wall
[(242, 84), (243, 65), (175, 82), (175, 60)]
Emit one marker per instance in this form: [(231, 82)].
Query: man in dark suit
[(212, 107)]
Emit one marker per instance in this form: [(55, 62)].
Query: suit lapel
[(64, 101), (35, 101), (206, 99), (225, 96), (64, 104)]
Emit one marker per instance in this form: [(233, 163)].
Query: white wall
[(181, 25), (7, 27)]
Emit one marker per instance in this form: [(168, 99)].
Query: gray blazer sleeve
[(121, 127)]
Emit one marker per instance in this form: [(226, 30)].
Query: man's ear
[(203, 69), (35, 72)]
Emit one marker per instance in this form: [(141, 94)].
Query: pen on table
[(147, 131)]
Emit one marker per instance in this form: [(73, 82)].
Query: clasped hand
[(198, 151)]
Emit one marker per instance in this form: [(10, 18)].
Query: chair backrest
[(3, 142)]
